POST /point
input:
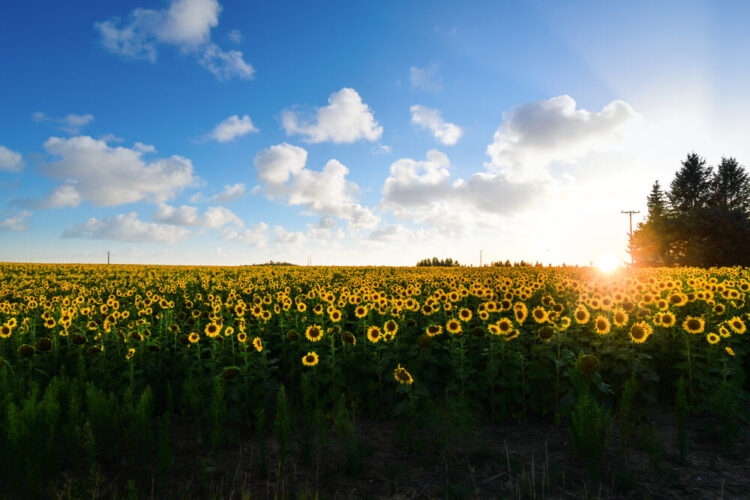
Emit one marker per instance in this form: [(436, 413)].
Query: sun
[(608, 263)]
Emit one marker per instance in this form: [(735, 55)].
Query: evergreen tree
[(731, 186), (656, 203), (691, 187)]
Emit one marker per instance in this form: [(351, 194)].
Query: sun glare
[(608, 263)]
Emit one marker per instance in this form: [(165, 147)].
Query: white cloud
[(277, 163), (111, 138), (62, 196), (422, 192), (381, 149), (71, 123), (216, 217), (346, 119), (535, 134), (15, 222), (177, 216), (144, 148), (185, 24), (282, 170), (231, 128), (230, 193), (235, 36), (426, 78), (213, 217), (256, 235), (108, 176), (126, 227), (432, 120), (10, 161)]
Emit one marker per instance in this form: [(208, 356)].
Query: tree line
[(702, 220)]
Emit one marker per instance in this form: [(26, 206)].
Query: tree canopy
[(703, 220)]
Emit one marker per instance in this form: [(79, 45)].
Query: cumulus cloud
[(381, 149), (144, 148), (432, 120), (422, 191), (232, 128), (126, 227), (177, 216), (107, 176), (256, 235), (230, 192), (426, 78), (15, 222), (10, 161), (71, 123), (185, 215), (216, 217), (346, 119), (235, 36), (282, 170), (535, 134), (184, 24)]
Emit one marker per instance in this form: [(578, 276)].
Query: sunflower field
[(100, 365)]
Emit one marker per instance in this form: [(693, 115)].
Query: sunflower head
[(588, 364), (230, 372), (310, 359), (402, 376), (424, 341), (546, 332)]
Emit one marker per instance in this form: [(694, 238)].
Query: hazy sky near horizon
[(233, 132)]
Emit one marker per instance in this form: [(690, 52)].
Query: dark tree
[(691, 187), (705, 223), (731, 187)]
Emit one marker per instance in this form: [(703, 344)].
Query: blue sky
[(206, 132)]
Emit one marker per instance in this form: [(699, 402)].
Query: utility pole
[(107, 257), (480, 258), (630, 234)]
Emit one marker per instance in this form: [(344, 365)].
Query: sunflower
[(212, 330), (639, 332), (521, 312), (504, 326), (694, 325), (539, 314), (564, 323), (194, 337), (348, 338), (668, 319), (601, 324), (512, 335), (318, 309), (130, 354), (402, 376), (390, 327), (373, 334), (310, 359), (335, 315), (581, 315), (620, 318), (464, 314), (712, 338), (258, 344), (737, 325), (241, 337), (434, 330), (314, 333), (5, 331), (453, 326), (546, 333), (360, 312), (301, 307), (729, 351)]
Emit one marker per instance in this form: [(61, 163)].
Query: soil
[(530, 459)]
